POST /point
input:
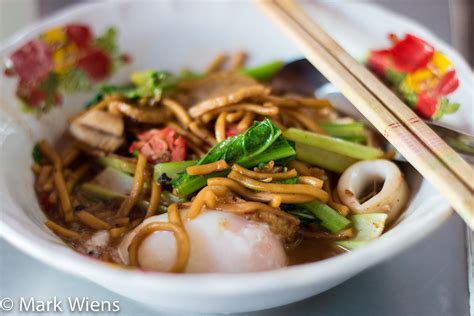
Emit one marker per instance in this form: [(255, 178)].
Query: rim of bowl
[(221, 284)]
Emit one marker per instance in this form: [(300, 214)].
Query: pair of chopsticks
[(425, 150)]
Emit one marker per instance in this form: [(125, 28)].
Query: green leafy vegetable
[(105, 90), (242, 148), (150, 83), (259, 144), (37, 156), (147, 83), (332, 144)]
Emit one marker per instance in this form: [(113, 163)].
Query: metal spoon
[(301, 77)]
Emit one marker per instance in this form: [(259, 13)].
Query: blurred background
[(453, 18)]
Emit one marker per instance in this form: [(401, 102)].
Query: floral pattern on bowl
[(420, 74), (64, 59)]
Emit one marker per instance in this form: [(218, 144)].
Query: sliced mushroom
[(390, 199), (98, 129)]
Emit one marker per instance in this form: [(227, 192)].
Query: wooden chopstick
[(428, 154), (444, 152)]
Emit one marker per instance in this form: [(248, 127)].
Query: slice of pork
[(99, 130), (222, 89)]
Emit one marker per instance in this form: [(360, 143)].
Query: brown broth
[(308, 249), (311, 250)]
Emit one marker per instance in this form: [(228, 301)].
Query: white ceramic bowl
[(169, 35)]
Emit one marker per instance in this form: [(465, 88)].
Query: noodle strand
[(137, 187), (257, 196), (92, 221), (239, 60), (234, 116), (264, 175), (279, 188), (246, 121), (216, 64), (62, 231), (154, 199), (207, 168), (181, 241), (178, 110), (220, 128)]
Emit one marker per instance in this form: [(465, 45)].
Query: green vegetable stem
[(323, 158), (332, 144), (171, 169), (316, 211), (263, 72), (349, 131)]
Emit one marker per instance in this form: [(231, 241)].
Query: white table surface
[(428, 279)]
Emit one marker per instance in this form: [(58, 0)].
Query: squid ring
[(390, 199)]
